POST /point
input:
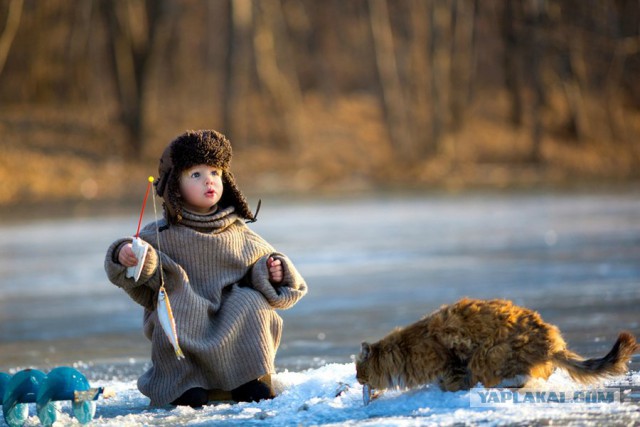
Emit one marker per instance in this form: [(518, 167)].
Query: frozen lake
[(371, 263)]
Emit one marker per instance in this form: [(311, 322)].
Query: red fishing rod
[(138, 246)]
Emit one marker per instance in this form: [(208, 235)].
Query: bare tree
[(421, 110), (10, 30), (132, 28), (621, 79), (392, 95), (438, 58), (323, 42), (534, 16), (511, 61), (524, 51), (573, 80), (281, 84), (238, 71), (463, 22), (564, 62)]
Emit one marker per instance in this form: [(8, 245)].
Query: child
[(224, 282)]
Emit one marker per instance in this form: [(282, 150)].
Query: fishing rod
[(138, 246)]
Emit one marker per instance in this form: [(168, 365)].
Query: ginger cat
[(478, 341)]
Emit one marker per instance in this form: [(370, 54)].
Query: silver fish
[(367, 392), (165, 315)]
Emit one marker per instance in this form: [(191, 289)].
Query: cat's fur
[(478, 341)]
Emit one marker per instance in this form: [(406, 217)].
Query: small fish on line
[(165, 315)]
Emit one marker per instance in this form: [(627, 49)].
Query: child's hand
[(276, 272), (126, 256)]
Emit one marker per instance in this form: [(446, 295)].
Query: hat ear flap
[(232, 196), (171, 196), (161, 183)]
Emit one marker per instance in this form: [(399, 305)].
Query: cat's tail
[(590, 370)]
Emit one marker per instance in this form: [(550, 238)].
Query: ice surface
[(331, 396), (372, 263)]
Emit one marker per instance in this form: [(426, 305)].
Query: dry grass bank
[(72, 154)]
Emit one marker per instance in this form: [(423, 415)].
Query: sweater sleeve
[(284, 294), (143, 291), (116, 273)]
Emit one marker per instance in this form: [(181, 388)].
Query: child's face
[(201, 188)]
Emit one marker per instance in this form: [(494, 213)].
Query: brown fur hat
[(195, 148)]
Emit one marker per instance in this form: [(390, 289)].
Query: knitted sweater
[(216, 277)]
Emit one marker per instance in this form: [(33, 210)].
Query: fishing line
[(169, 329), (155, 217)]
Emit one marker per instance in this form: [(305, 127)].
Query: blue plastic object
[(4, 380), (61, 384), (20, 390)]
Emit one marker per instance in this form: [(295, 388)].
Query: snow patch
[(331, 396)]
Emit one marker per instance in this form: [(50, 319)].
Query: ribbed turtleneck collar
[(213, 222)]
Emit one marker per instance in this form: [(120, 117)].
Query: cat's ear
[(365, 350)]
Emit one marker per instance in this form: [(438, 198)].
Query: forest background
[(318, 96)]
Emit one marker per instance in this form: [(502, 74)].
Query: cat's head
[(363, 371), (362, 363)]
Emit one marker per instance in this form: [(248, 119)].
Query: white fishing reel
[(140, 249)]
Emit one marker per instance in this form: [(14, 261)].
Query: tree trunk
[(577, 124), (392, 96), (512, 55), (420, 108), (238, 72), (282, 86), (10, 30), (462, 58), (437, 63), (132, 29), (535, 56), (323, 43)]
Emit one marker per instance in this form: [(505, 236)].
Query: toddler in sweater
[(224, 281)]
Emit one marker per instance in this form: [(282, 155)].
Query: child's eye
[(215, 172), (195, 175)]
